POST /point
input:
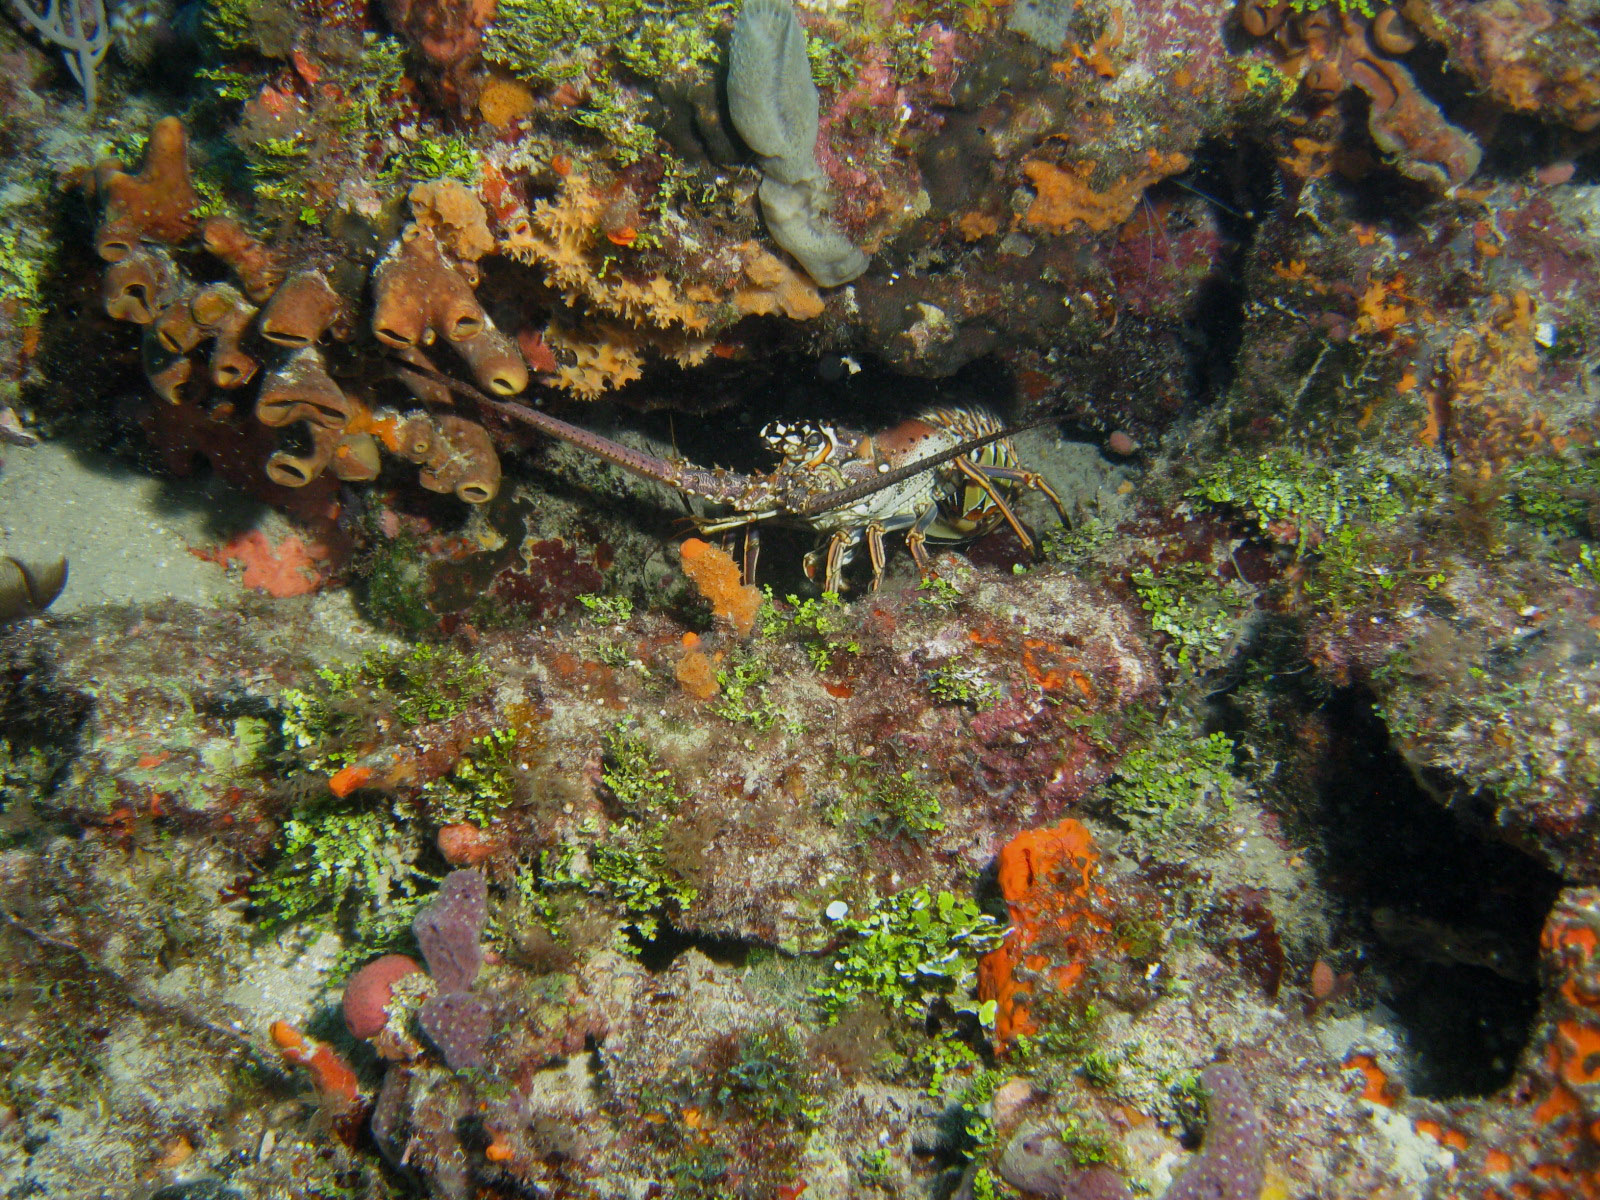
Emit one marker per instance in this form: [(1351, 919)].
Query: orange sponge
[(717, 576), (1047, 879)]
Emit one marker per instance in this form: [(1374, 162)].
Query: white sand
[(126, 535)]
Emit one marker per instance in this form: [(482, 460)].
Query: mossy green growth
[(432, 154), (607, 611), (953, 683), (278, 170), (632, 872), (1199, 613), (1587, 569), (635, 776), (1078, 545), (1175, 786), (603, 47), (627, 868), (625, 862), (22, 270), (935, 591), (1291, 496), (394, 586), (328, 723), (552, 41), (484, 781), (767, 1080), (939, 1061), (1554, 495), (741, 694), (25, 774), (374, 86), (1363, 8), (1087, 1140), (814, 620), (355, 869), (902, 805), (233, 26), (832, 68), (911, 950)]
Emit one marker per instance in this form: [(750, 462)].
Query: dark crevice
[(658, 953), (1449, 915), (1236, 180)]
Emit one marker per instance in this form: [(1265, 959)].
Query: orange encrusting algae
[(696, 671), (335, 1082)]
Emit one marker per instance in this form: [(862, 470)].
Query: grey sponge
[(797, 220), (771, 98), (775, 108)]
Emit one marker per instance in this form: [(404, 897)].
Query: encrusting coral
[(626, 317), (1047, 879), (420, 297), (717, 576), (1064, 196)]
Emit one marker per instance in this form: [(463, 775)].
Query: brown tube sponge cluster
[(419, 298), (270, 325)]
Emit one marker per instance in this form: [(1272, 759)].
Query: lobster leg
[(752, 551), (875, 552), (983, 478), (917, 536), (1030, 479), (834, 573)]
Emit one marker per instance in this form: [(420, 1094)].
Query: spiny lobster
[(942, 475)]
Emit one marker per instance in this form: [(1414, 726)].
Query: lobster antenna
[(597, 444), (828, 501)]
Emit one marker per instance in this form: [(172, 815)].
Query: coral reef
[(494, 840)]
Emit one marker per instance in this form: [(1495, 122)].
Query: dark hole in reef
[(1520, 145), (659, 953), (1452, 917), (1235, 179)]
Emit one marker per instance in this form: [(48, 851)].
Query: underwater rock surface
[(459, 784)]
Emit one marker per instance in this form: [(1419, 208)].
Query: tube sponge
[(775, 108), (797, 219), (771, 98)]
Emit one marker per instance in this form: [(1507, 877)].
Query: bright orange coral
[(715, 573), (333, 1078), (696, 670), (291, 568)]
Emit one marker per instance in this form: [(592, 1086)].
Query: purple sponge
[(1231, 1163), (447, 929)]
